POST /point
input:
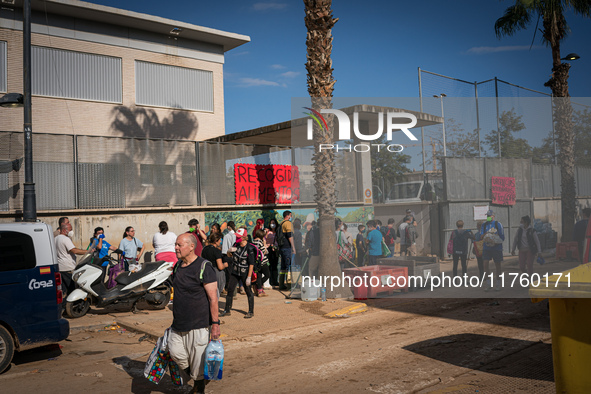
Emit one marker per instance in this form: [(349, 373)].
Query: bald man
[(195, 310)]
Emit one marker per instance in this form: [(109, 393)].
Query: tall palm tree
[(554, 30), (319, 23)]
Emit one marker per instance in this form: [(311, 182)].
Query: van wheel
[(77, 308), (6, 349)]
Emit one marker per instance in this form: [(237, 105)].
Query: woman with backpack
[(212, 252), (263, 270), (459, 246), (528, 243), (243, 260), (273, 255)]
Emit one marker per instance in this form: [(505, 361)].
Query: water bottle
[(214, 360), (323, 293)]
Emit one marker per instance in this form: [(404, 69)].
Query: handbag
[(478, 245), (345, 253), (385, 249), (450, 244), (158, 361)]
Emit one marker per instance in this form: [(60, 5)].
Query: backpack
[(280, 235), (531, 243), (492, 238), (390, 238), (203, 263), (259, 257), (460, 242)]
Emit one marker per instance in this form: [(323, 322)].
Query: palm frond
[(516, 17)]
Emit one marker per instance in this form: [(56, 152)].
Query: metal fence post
[(198, 172), (422, 129), (76, 177), (477, 117), (498, 126)]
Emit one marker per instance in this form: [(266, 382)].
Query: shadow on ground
[(470, 350)]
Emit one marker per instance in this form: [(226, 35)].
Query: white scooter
[(150, 284)]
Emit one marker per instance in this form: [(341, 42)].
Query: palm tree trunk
[(563, 118), (319, 23)]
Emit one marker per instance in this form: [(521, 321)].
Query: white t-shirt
[(164, 242), (65, 259), (228, 241)]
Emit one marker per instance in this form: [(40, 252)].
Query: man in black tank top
[(195, 310)]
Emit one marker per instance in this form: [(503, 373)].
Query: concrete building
[(97, 70)]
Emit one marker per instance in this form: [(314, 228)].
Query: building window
[(17, 251), (76, 75), (3, 77), (173, 87)]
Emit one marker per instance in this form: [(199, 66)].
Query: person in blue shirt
[(100, 245), (374, 240), (493, 235)]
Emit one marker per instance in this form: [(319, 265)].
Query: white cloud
[(238, 53), (486, 50), (249, 82), (290, 74), (268, 6), (277, 66)]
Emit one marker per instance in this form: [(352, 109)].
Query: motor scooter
[(150, 284)]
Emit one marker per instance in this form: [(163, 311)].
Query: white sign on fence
[(480, 212)]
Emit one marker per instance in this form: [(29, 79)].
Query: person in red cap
[(243, 259), (259, 226)]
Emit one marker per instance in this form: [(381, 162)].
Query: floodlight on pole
[(571, 57), (441, 96), (12, 100)]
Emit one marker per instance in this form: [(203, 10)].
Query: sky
[(377, 49)]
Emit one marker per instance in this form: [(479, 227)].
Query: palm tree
[(319, 23), (554, 30)]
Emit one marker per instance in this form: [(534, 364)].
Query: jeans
[(373, 260), (285, 259), (232, 285), (274, 272), (262, 276), (462, 257)]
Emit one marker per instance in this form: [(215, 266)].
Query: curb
[(349, 310)]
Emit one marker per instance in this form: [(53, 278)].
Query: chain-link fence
[(495, 118)]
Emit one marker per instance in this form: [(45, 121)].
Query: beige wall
[(67, 116), (145, 225)]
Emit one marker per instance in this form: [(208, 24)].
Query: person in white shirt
[(163, 243), (66, 255), (227, 243)]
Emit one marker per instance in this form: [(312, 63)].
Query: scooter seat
[(126, 278)]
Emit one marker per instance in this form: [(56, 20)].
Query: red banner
[(266, 184), (503, 190)]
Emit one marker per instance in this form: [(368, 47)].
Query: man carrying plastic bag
[(195, 311)]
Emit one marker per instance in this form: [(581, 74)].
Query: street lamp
[(441, 96), (20, 100), (12, 100), (571, 56)]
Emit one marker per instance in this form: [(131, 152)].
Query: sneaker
[(224, 292), (487, 285), (263, 294), (241, 291), (249, 315), (225, 313)]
